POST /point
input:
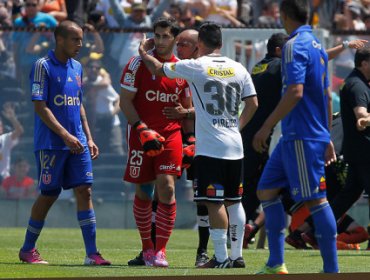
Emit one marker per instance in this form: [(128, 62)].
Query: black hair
[(63, 28), (165, 23), (361, 55), (210, 34), (277, 40), (297, 10)]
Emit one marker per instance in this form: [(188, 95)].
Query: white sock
[(219, 237), (236, 228)]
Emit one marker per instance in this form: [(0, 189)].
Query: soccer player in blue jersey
[(63, 144), (298, 160)]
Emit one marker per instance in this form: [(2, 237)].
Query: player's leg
[(167, 167), (165, 215), (209, 190), (203, 234), (79, 176), (350, 234), (203, 226), (235, 210), (311, 188), (140, 171), (272, 179), (50, 166), (253, 164), (145, 193)]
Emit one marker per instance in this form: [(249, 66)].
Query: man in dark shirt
[(354, 106), (266, 76)]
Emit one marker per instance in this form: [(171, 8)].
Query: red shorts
[(141, 168)]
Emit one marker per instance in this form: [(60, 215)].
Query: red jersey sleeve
[(130, 74)]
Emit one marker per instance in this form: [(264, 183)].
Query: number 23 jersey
[(218, 84)]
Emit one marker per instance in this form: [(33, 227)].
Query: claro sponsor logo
[(64, 100), (152, 95), (167, 167)]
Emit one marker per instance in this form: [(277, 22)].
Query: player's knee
[(166, 194), (83, 192)]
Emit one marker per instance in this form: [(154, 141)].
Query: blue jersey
[(304, 61), (59, 85)]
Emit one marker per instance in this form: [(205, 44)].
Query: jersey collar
[(361, 76), (53, 58), (161, 59), (302, 28)]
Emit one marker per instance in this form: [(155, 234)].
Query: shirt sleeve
[(129, 76), (248, 89), (184, 69), (39, 81), (358, 96), (296, 61)]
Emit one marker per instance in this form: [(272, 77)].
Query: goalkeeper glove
[(189, 138), (151, 140), (188, 155)]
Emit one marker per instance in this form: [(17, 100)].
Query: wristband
[(345, 44)]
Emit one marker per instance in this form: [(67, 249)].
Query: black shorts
[(217, 179)]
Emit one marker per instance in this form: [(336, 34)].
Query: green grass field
[(64, 250)]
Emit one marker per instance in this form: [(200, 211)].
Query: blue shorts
[(299, 166), (59, 169)]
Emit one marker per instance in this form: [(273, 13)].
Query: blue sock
[(87, 223), (275, 224), (32, 234), (325, 232)]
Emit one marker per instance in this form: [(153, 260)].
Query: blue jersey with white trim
[(304, 61), (59, 85)]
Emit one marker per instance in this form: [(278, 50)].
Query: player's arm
[(9, 113), (249, 96), (188, 120), (289, 100), (354, 44), (127, 106), (179, 112), (93, 149), (47, 116), (250, 107)]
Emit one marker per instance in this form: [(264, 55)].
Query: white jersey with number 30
[(218, 85)]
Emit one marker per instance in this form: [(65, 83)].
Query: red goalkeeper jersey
[(153, 94)]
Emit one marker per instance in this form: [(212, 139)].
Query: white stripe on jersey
[(37, 75), (134, 63), (289, 54), (302, 169)]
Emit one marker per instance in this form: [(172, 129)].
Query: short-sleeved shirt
[(304, 61), (355, 93), (153, 93), (59, 85), (218, 84)]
